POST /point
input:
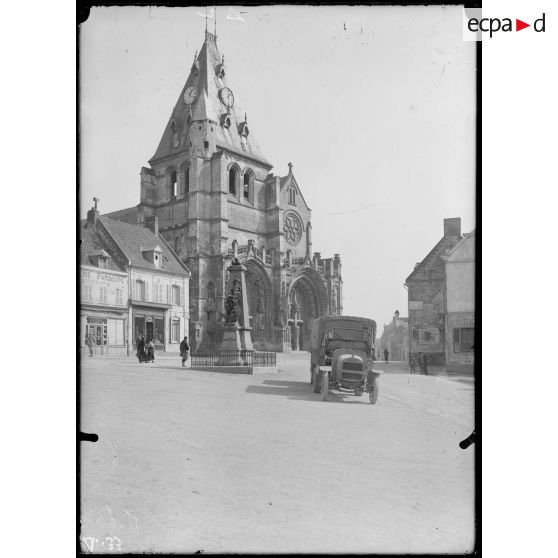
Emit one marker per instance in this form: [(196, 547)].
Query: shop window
[(464, 340), (175, 331), (140, 290), (115, 332), (97, 328), (233, 181), (176, 294)]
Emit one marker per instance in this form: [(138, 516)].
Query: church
[(211, 194)]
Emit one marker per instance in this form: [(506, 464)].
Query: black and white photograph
[(277, 280)]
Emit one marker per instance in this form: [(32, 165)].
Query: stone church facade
[(214, 197)]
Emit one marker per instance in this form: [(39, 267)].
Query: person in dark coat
[(184, 348), (424, 365), (90, 343), (151, 351), (412, 364), (141, 349), (386, 355)]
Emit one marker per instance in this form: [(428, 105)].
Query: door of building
[(148, 331)]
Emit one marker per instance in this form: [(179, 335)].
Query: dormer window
[(153, 255), (99, 258), (220, 70), (226, 121), (243, 129)]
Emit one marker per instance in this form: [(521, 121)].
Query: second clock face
[(190, 95), (227, 97)]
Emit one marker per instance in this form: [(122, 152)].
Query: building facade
[(132, 285), (426, 296), (395, 338), (215, 197), (460, 305)]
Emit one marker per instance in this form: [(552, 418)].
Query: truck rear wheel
[(325, 386), (316, 380)]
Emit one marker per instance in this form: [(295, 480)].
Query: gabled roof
[(207, 106), (465, 248), (444, 245), (286, 181), (132, 238), (91, 244), (128, 215)]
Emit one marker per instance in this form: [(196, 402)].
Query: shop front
[(149, 323), (103, 333)]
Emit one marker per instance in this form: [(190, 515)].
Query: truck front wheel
[(316, 380), (325, 385), (374, 392)]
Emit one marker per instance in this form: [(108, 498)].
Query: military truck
[(342, 352)]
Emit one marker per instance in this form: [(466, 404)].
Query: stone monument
[(236, 336)]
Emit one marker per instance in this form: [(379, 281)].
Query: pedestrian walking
[(412, 364), (184, 348), (141, 349), (150, 351), (90, 343), (424, 365), (386, 355), (421, 363)]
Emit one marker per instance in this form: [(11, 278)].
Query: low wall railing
[(234, 358)]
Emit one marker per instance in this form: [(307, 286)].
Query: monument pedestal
[(230, 346), (246, 339)]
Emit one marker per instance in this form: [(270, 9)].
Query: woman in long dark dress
[(141, 349)]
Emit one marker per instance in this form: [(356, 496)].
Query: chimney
[(152, 223), (452, 226), (93, 214)]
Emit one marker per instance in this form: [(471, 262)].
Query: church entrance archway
[(260, 303), (304, 308)]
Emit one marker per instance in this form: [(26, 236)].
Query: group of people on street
[(422, 361), (145, 351)]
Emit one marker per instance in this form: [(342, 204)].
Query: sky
[(374, 106)]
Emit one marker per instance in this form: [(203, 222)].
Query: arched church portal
[(304, 307), (260, 304)]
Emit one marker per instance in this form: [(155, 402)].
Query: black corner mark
[(84, 437), (82, 14), (464, 444)]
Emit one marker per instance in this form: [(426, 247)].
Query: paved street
[(190, 460)]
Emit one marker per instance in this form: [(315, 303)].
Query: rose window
[(292, 227)]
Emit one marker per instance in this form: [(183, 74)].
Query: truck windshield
[(356, 339)]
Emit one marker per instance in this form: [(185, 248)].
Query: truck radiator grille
[(351, 376), (352, 366)]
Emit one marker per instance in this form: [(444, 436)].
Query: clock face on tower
[(227, 97), (190, 95)]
